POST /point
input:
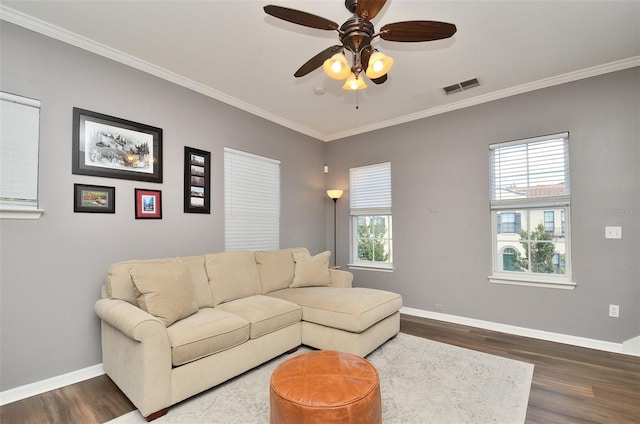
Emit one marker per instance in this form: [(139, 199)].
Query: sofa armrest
[(340, 278), (129, 319), (136, 354)]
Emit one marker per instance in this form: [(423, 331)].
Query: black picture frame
[(197, 181), (106, 146), (148, 204), (94, 199)]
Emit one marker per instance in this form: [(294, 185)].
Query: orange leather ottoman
[(325, 387)]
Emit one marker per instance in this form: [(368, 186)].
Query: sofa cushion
[(199, 280), (349, 309), (275, 268), (266, 314), (311, 270), (207, 332), (232, 275), (164, 290)]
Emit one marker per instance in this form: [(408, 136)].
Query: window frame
[(527, 206), (11, 209), (371, 208)]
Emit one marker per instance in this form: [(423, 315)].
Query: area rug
[(421, 381)]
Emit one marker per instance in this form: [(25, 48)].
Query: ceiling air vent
[(464, 85)]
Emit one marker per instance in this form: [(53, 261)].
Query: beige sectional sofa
[(172, 328)]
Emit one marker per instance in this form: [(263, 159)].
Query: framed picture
[(105, 146), (197, 179), (148, 204), (94, 199)]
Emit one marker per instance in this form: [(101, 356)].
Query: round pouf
[(325, 387)]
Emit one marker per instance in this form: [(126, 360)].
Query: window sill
[(372, 267), (8, 213), (550, 283)]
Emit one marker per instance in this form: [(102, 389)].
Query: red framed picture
[(148, 204)]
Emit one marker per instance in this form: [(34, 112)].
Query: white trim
[(39, 387), (6, 213), (629, 347), (536, 280), (378, 267), (58, 33)]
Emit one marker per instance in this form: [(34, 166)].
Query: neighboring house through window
[(251, 201), (530, 193), (19, 143), (370, 211)]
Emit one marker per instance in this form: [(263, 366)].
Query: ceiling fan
[(356, 35)]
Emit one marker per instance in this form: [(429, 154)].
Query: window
[(530, 193), (251, 201), (370, 210), (19, 140)]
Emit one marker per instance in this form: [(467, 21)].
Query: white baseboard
[(39, 387), (630, 347)]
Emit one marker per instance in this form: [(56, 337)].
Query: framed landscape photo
[(148, 204), (94, 199), (197, 180), (106, 146)]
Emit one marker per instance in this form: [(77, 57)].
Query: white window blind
[(529, 172), (252, 201), (19, 140), (370, 188)]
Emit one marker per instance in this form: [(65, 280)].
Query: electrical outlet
[(613, 232), (614, 311)]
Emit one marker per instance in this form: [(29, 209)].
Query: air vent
[(460, 86)]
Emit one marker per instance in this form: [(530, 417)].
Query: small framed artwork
[(94, 199), (106, 146), (197, 180), (148, 204)]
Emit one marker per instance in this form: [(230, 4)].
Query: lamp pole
[(335, 251), (334, 195)]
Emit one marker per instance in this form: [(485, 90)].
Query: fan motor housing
[(356, 33)]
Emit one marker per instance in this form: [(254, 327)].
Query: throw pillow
[(311, 271), (164, 290)]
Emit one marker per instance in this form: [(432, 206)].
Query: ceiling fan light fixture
[(336, 67), (354, 82), (379, 65)]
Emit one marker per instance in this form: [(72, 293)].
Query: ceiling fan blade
[(369, 9), (415, 31), (300, 18), (316, 61)]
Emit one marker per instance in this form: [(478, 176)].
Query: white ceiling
[(234, 52)]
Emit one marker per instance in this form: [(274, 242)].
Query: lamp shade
[(334, 194), (354, 83), (379, 64), (336, 67)]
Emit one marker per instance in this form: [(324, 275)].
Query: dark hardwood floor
[(570, 384)]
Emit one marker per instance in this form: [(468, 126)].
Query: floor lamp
[(334, 195)]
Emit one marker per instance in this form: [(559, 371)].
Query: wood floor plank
[(570, 384)]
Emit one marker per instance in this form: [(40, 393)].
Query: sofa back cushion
[(119, 284), (232, 275), (276, 269), (164, 290)]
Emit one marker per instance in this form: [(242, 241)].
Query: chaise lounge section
[(172, 328)]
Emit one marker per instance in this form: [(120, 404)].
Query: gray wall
[(441, 220), (52, 269)]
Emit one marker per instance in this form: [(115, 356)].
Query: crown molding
[(45, 28), (496, 95), (53, 31)]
